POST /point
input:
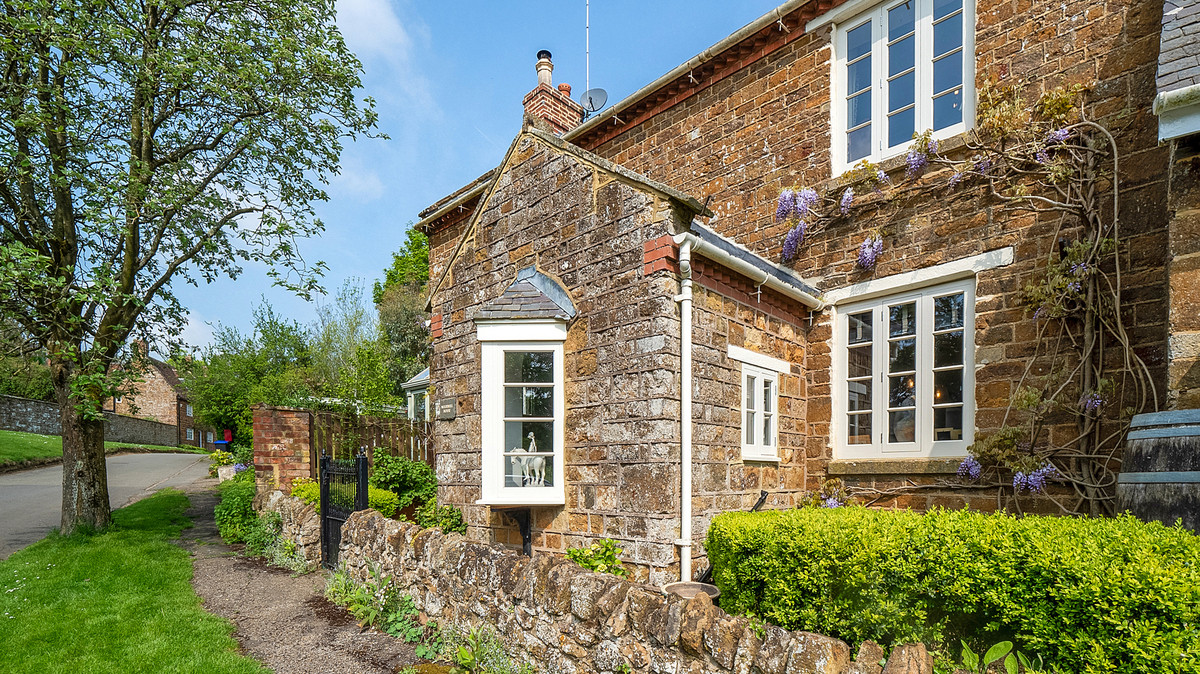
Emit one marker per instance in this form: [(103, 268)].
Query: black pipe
[(706, 577)]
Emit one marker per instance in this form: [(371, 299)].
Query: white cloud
[(357, 180), (386, 46), (197, 332)]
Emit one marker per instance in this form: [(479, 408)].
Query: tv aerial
[(592, 99)]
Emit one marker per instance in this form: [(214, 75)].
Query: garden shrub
[(235, 513), (413, 481), (601, 556), (309, 491), (447, 518), (1087, 594)]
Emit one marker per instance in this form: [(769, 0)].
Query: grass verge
[(17, 447), (117, 601)]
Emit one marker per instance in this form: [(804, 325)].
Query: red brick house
[(619, 349), (161, 397)]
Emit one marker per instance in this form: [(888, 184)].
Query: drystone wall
[(552, 612), (38, 416), (301, 523)]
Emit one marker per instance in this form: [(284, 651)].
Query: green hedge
[(235, 513), (382, 500), (1089, 595)]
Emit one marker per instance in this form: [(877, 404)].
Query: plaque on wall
[(446, 409)]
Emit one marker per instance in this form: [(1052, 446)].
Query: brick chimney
[(552, 105)]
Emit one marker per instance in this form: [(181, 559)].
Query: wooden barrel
[(1160, 474)]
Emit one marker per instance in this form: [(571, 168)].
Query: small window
[(760, 413), (901, 68), (417, 406), (904, 374), (189, 410), (191, 435), (118, 398), (210, 438)]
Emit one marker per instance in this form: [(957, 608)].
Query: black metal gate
[(343, 491)]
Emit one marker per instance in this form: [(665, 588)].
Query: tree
[(147, 143), (410, 266), (349, 354), (400, 300)]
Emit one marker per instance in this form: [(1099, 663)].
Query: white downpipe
[(759, 277), (685, 411)]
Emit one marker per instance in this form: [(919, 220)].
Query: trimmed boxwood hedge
[(1089, 595), (382, 500)]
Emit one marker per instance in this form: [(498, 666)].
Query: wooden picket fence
[(340, 436)]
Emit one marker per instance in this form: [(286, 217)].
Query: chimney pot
[(565, 89), (544, 67)]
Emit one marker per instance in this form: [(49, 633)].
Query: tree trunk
[(85, 475)]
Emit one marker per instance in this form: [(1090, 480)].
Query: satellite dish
[(593, 99)]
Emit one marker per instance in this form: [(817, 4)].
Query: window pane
[(902, 392), (901, 126), (529, 401), (947, 109), (948, 349), (768, 419), (947, 35), (901, 55), (750, 428), (768, 398), (858, 395), (528, 367), (516, 436), (858, 41), (947, 73), (528, 471), (419, 406), (943, 7), (858, 429), (902, 355), (903, 319), (902, 92), (860, 327), (947, 423), (858, 76), (948, 312), (858, 110), (858, 362), (947, 386), (902, 426), (750, 391), (900, 20), (858, 142)]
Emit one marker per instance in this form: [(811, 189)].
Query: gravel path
[(282, 621)]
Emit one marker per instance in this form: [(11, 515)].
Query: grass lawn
[(16, 446), (119, 601)]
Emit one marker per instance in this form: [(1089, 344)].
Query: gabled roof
[(730, 255), (736, 251), (421, 380), (531, 295)]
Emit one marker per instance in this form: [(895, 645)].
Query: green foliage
[(1090, 595), (480, 651), (404, 324), (1001, 652), (25, 378), (447, 518), (235, 513), (410, 266), (220, 458), (413, 481), (379, 603), (307, 490), (601, 556), (350, 357), (382, 500)]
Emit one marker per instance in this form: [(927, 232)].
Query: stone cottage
[(160, 396), (619, 349)]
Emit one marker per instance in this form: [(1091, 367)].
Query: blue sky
[(448, 79)]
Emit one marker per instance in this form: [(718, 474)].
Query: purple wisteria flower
[(915, 164), (932, 147), (1058, 136), (1037, 314), (791, 242), (984, 166), (868, 252), (1079, 268), (239, 467), (847, 200), (1036, 481), (882, 178), (957, 178), (1042, 156), (970, 468), (832, 502), (1092, 401), (787, 204), (1074, 286), (806, 202)]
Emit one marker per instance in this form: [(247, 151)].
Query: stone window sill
[(914, 466)]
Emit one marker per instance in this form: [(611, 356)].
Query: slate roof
[(745, 255), (531, 295), (1179, 54)]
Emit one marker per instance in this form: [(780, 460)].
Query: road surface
[(31, 500)]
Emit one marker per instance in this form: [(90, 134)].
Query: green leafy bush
[(235, 513), (448, 518), (599, 556), (413, 481), (1089, 595), (309, 491)]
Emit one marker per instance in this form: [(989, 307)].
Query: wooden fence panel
[(340, 436)]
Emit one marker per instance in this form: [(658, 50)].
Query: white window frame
[(413, 396), (191, 434), (923, 446), (852, 15), (189, 409), (764, 366), (209, 435), (497, 338), (754, 448)]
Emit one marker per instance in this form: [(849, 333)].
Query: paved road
[(31, 500)]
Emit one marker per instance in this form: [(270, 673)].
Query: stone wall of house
[(301, 523), (1184, 370), (750, 126), (550, 611), (155, 399), (39, 416), (282, 446), (586, 228)]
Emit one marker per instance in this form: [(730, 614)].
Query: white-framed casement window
[(191, 434), (522, 413), (900, 67), (418, 405), (210, 437), (904, 375), (189, 410), (759, 403)]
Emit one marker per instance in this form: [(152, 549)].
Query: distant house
[(161, 397), (416, 396), (618, 350)]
